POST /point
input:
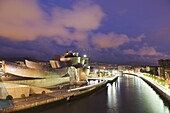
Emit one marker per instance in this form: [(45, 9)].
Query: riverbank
[(58, 95), (163, 91)]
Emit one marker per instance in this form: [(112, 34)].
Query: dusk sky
[(112, 31)]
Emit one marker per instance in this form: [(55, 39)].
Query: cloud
[(139, 38), (18, 20), (144, 51), (110, 40), (81, 17), (25, 20), (113, 40)]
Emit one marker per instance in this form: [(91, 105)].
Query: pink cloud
[(25, 20), (110, 40), (15, 17), (113, 40), (81, 17), (148, 51)]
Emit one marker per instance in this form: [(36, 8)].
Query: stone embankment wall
[(20, 91), (14, 90), (161, 91), (158, 88), (39, 90)]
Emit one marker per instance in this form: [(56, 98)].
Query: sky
[(113, 31)]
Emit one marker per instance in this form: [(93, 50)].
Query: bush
[(169, 86), (163, 83)]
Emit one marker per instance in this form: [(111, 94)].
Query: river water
[(129, 94)]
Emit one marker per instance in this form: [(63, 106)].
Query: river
[(129, 94)]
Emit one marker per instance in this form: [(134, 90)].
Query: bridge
[(109, 79)]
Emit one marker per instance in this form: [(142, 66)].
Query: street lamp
[(84, 55)]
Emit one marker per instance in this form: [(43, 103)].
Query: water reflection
[(112, 98), (130, 94)]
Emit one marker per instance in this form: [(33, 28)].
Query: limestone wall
[(38, 90), (77, 74), (87, 70), (16, 91), (74, 77), (19, 91), (82, 75)]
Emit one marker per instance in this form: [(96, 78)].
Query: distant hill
[(133, 63)]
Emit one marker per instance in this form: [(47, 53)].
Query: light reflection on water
[(130, 94)]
